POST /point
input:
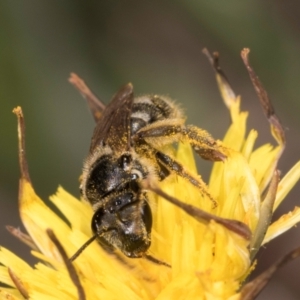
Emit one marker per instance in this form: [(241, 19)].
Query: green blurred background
[(157, 46)]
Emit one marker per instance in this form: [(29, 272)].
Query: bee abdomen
[(147, 110)]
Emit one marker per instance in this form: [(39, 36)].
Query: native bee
[(125, 152)]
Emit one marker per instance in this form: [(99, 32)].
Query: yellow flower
[(208, 260)]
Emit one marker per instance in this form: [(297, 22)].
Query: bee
[(125, 161)]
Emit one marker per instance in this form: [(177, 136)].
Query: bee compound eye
[(97, 220), (125, 160), (147, 216)]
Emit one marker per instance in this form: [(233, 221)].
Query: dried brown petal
[(95, 104), (23, 237), (254, 287), (276, 127)]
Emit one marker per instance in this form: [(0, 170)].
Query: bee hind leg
[(168, 131)]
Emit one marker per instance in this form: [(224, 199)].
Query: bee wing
[(113, 128)]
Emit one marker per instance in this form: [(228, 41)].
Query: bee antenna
[(80, 250)]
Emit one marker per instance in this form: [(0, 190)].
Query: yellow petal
[(238, 181), (185, 156), (37, 218), (249, 144), (70, 206), (263, 162), (283, 224), (287, 183), (10, 294), (235, 136), (9, 259)]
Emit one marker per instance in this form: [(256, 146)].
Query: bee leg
[(163, 172), (200, 215), (167, 131), (203, 143), (176, 167), (156, 261)]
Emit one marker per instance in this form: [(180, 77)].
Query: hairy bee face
[(126, 223)]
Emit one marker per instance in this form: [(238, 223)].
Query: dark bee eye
[(97, 220), (125, 160), (147, 216), (134, 186)]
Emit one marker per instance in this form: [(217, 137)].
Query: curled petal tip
[(21, 139)]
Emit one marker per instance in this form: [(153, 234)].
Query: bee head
[(125, 222)]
